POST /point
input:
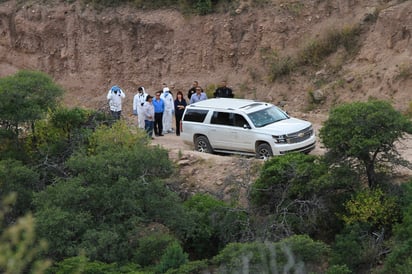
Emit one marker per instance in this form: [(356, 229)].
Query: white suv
[(245, 127)]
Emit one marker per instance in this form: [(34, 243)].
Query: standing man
[(138, 102), (192, 90), (148, 116), (198, 96), (223, 91), (115, 97), (168, 111), (159, 107)]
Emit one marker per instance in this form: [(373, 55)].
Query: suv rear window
[(195, 115)]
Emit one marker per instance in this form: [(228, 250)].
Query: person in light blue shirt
[(198, 96), (159, 108)]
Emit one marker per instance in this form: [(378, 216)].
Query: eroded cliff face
[(87, 51)]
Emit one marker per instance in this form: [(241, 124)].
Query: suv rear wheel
[(264, 151), (202, 144)]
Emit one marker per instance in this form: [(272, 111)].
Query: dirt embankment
[(87, 51)]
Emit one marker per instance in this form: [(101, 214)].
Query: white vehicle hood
[(286, 126)]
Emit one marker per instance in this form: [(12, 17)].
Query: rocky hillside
[(87, 51)]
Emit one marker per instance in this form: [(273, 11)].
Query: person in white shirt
[(138, 101), (148, 116), (168, 111), (115, 97)]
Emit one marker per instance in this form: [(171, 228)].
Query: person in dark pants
[(180, 105), (148, 115), (159, 108)]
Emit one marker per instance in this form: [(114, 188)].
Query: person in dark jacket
[(180, 105), (223, 91), (192, 90)]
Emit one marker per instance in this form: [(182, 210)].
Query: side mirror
[(246, 126)]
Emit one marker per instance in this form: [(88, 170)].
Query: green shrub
[(172, 258), (281, 66), (295, 254), (357, 247), (81, 264), (20, 180), (338, 269), (404, 71), (400, 259), (317, 50), (191, 267), (373, 207), (214, 225), (150, 248)]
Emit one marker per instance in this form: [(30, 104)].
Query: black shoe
[(161, 135)]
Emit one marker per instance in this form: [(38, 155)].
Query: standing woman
[(180, 105)]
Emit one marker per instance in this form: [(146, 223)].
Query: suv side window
[(240, 121), (228, 119), (222, 118), (195, 115)]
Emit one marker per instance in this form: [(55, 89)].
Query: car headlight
[(280, 139)]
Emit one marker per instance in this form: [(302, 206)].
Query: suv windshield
[(267, 116)]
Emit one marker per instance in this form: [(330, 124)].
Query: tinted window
[(240, 121), (195, 115), (222, 118), (228, 119)]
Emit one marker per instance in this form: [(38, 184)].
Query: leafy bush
[(357, 247), (21, 180), (20, 249), (295, 254), (338, 269), (214, 225), (192, 267), (172, 258), (81, 264), (150, 248), (290, 189), (400, 259), (373, 207), (112, 191), (281, 66), (26, 97)]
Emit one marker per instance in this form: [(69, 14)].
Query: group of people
[(155, 115)]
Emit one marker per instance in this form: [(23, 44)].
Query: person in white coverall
[(115, 97), (169, 110), (138, 102)]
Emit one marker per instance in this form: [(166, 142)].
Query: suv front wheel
[(202, 144), (264, 151)]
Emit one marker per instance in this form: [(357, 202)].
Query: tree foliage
[(214, 225), (110, 193), (296, 254), (20, 180), (365, 131), (26, 97), (400, 259), (373, 207), (291, 190), (20, 249)]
